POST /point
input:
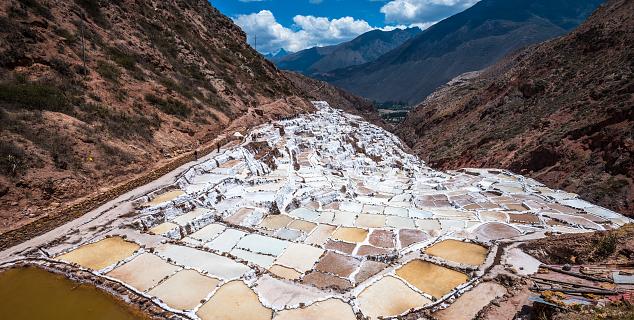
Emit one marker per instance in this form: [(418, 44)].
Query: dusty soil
[(612, 312), (598, 250), (616, 246)]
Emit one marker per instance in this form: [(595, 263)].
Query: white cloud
[(421, 26), (336, 29), (307, 31), (270, 33), (422, 11)]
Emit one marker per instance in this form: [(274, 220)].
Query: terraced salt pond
[(431, 278), (319, 217), (167, 196), (101, 254), (459, 251)]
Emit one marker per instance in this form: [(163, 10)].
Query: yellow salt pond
[(167, 196), (101, 254), (389, 297), (350, 234), (471, 302), (234, 301), (302, 225), (34, 293), (431, 278), (458, 251), (163, 228)]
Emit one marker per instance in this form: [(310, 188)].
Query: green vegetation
[(190, 80), (393, 112), (38, 8), (115, 153), (120, 124), (394, 117), (53, 141), (108, 70), (21, 106), (61, 66), (11, 159), (392, 105), (597, 189), (61, 150), (33, 96), (69, 37), (173, 86), (122, 58), (126, 60), (606, 245), (169, 105)]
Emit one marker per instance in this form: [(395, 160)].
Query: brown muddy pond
[(34, 293)]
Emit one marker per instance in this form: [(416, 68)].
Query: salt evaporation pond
[(34, 293), (329, 218)]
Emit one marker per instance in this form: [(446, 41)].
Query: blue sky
[(299, 24)]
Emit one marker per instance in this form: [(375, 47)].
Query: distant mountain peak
[(468, 41), (362, 49), (279, 54)]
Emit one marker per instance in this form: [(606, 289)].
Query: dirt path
[(49, 228)]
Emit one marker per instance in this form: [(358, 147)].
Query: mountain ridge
[(359, 50), (273, 57), (467, 41)]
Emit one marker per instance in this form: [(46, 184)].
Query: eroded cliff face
[(561, 112), (94, 92)]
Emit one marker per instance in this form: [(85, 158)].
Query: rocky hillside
[(93, 92), (468, 41), (562, 112), (362, 49)]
